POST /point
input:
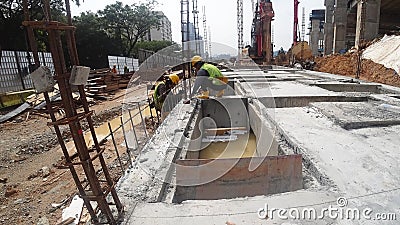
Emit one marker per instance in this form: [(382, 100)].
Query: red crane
[(296, 21), (261, 32)]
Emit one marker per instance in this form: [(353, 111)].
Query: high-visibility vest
[(158, 103), (215, 74)]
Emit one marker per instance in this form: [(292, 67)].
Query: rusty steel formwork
[(96, 184)]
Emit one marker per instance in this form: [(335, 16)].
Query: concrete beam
[(339, 26)]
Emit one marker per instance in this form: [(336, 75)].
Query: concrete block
[(79, 75), (353, 115), (43, 80)]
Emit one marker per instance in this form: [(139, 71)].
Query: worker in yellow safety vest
[(162, 90), (208, 77)]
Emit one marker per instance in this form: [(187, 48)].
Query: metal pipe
[(126, 142), (115, 147), (133, 128), (143, 122)]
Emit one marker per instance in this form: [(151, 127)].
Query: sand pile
[(346, 65)]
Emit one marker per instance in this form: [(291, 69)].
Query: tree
[(128, 24), (12, 15), (92, 42), (154, 46)]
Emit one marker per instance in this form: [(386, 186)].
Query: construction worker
[(208, 77), (162, 90), (114, 69)]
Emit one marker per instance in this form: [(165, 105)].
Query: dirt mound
[(346, 65)]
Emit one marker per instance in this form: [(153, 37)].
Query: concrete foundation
[(275, 174), (319, 137)]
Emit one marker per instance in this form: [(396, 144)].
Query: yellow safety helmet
[(196, 59), (174, 78)]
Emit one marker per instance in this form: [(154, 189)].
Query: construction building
[(191, 42), (161, 33), (317, 20), (347, 22)]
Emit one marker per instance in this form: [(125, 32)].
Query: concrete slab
[(235, 211), (349, 87), (301, 101), (276, 89), (355, 166), (352, 115)]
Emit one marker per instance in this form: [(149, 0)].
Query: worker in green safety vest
[(162, 90), (208, 77)]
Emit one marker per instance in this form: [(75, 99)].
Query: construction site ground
[(346, 65), (29, 155), (34, 191)]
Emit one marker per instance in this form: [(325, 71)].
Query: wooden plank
[(223, 130)]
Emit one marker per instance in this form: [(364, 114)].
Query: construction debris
[(73, 211), (103, 82)]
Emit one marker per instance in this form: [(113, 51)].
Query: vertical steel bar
[(143, 122), (128, 151), (133, 128), (19, 69), (115, 146)]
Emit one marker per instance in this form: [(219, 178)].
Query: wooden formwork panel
[(274, 174)]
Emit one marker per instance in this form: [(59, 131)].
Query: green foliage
[(12, 15), (92, 41), (154, 46), (128, 24)]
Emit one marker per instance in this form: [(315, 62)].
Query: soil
[(346, 65), (30, 180)]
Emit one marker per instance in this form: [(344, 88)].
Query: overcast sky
[(222, 19)]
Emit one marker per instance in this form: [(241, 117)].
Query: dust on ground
[(346, 65), (29, 154)]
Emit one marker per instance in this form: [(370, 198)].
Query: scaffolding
[(205, 33), (186, 49), (196, 28), (240, 27)]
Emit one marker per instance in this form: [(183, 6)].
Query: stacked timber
[(103, 82)]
